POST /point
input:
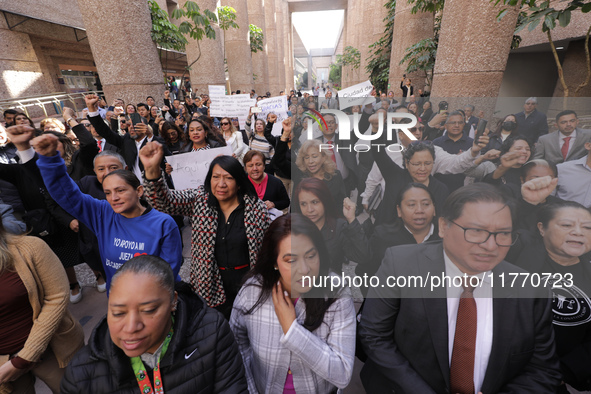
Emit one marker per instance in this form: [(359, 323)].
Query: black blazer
[(276, 193), (404, 331), (82, 160)]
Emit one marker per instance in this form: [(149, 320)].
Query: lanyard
[(140, 371)]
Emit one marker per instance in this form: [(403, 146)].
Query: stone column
[(279, 18), (345, 73), (271, 33), (473, 51), (310, 70), (288, 50), (125, 55), (260, 66), (209, 69), (408, 30), (238, 53)]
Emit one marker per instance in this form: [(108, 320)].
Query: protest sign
[(189, 169), (234, 106), (278, 106), (359, 94), (217, 90)]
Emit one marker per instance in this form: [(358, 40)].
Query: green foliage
[(199, 24), (538, 13), (421, 57), (305, 80), (334, 73), (432, 6), (164, 33), (227, 18), (256, 38), (350, 57), (378, 65)]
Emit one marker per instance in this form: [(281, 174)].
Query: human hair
[(497, 132), (533, 99), (469, 106), (417, 146), (456, 113), (509, 142), (209, 134), (564, 113), (251, 154), (133, 106), (320, 190), (25, 115), (127, 176), (53, 121), (111, 153), (548, 212), (69, 147), (475, 193), (9, 111), (235, 169), (232, 128), (143, 105), (329, 167), (148, 98), (154, 266), (412, 185), (318, 299), (260, 120), (530, 165), (167, 125), (6, 257)]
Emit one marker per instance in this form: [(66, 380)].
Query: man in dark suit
[(329, 102), (531, 123), (565, 144), (128, 144), (471, 120), (468, 336)]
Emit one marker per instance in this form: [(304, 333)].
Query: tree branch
[(588, 57)]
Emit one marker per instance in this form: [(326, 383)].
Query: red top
[(260, 188), (16, 314)]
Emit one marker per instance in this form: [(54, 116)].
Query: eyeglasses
[(480, 236), (86, 124), (423, 164), (224, 123)]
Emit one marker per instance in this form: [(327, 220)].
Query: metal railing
[(55, 99)]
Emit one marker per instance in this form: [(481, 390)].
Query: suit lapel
[(504, 308), (555, 146), (435, 303)]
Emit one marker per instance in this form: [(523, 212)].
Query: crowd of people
[(298, 248)]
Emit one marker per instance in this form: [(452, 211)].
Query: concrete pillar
[(238, 53), (372, 12), (125, 55), (310, 71), (408, 30), (345, 73), (280, 19), (271, 33), (287, 44), (473, 51), (209, 69), (260, 66)]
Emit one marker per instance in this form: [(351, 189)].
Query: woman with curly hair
[(174, 137)]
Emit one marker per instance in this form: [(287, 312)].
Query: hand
[(366, 207), (269, 204), (509, 159), (536, 191), (438, 118), (158, 120), (167, 94), (373, 92), (286, 128), (165, 108), (168, 168), (45, 145), (272, 118), (492, 154), (151, 156), (91, 102), (84, 113), (141, 128), (284, 308), (481, 143), (9, 373), (68, 113), (20, 136), (118, 110), (74, 225), (349, 209)]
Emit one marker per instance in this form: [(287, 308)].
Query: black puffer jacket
[(202, 357)]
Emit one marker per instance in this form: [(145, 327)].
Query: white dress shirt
[(484, 320)]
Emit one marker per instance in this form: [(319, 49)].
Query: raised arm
[(98, 123)]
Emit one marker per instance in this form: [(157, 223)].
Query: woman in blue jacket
[(125, 225)]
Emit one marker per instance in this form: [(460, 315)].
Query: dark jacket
[(202, 357), (82, 160), (534, 126), (276, 193)]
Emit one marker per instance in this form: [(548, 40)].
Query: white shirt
[(484, 320), (136, 165), (570, 142)]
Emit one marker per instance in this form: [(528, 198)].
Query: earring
[(276, 269)]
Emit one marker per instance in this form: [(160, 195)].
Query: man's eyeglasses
[(86, 124), (480, 236)]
